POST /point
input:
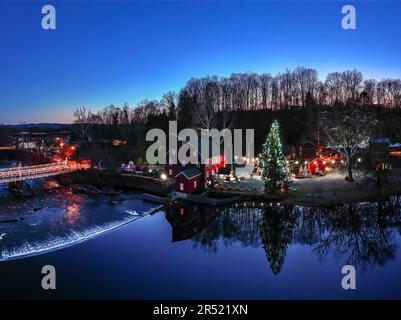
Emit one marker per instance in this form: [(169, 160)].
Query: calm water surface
[(112, 247)]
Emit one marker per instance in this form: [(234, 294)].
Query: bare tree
[(352, 81), (389, 92), (300, 75), (205, 116), (125, 114), (169, 103), (368, 94), (265, 88), (346, 129), (83, 118), (334, 86)]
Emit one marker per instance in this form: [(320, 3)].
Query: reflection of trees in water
[(231, 225), (309, 228), (276, 231), (358, 234)]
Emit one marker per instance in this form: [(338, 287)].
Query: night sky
[(109, 52)]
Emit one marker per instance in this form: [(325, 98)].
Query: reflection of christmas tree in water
[(358, 234), (276, 231)]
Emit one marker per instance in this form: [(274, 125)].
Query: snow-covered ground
[(330, 181), (245, 182), (245, 172)]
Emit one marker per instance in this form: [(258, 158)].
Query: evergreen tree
[(274, 164), (309, 100)]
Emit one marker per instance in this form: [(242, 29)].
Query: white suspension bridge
[(15, 174)]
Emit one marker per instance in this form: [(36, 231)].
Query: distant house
[(379, 150)]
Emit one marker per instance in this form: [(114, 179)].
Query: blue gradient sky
[(110, 52)]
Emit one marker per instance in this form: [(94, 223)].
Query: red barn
[(194, 176), (189, 180)]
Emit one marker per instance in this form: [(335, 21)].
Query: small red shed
[(188, 181), (317, 166)]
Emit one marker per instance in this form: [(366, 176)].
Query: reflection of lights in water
[(60, 242), (30, 248), (73, 212)]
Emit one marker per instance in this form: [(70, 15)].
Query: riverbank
[(327, 190), (100, 178), (334, 189), (320, 191)]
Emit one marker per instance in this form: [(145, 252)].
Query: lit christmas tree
[(274, 164)]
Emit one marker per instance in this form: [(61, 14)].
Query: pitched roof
[(214, 147), (190, 173)]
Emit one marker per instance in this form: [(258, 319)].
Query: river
[(113, 247)]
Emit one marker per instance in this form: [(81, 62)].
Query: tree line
[(292, 88), (201, 98)]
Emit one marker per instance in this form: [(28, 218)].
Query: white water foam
[(75, 237)]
